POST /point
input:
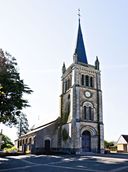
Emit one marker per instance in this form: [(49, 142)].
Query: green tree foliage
[(64, 118), (22, 125), (108, 144), (65, 134), (65, 114), (7, 143), (12, 89)]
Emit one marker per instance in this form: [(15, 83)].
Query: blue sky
[(42, 34)]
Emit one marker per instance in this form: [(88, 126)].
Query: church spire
[(80, 49)]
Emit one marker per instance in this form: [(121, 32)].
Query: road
[(65, 163)]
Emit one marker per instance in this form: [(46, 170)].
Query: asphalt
[(65, 163)]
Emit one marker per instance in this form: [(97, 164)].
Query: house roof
[(125, 137)]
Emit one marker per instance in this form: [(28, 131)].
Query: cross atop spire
[(79, 14), (80, 49)]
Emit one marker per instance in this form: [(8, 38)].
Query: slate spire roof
[(80, 48)]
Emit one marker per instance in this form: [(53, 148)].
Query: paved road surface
[(49, 163)]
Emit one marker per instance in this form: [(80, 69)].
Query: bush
[(10, 150)]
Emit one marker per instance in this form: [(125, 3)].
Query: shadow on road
[(66, 163)]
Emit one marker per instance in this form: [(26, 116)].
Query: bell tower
[(82, 128)]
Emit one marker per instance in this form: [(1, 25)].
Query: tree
[(108, 144), (7, 143), (22, 125), (12, 89)]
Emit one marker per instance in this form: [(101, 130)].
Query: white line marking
[(65, 160), (72, 168)]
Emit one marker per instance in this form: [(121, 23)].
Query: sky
[(42, 34)]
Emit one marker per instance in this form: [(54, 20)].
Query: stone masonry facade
[(78, 99), (80, 128)]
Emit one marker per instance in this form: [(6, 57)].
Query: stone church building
[(79, 129)]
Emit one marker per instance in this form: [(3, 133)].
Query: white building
[(122, 143)]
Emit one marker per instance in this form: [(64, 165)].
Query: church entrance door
[(47, 145), (86, 141)]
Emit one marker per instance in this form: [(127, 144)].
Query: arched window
[(91, 82), (26, 140), (85, 112), (30, 140), (88, 111), (66, 85), (20, 143), (87, 80), (92, 114), (82, 79)]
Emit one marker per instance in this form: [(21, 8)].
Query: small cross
[(79, 13)]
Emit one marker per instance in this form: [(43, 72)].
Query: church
[(80, 128)]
